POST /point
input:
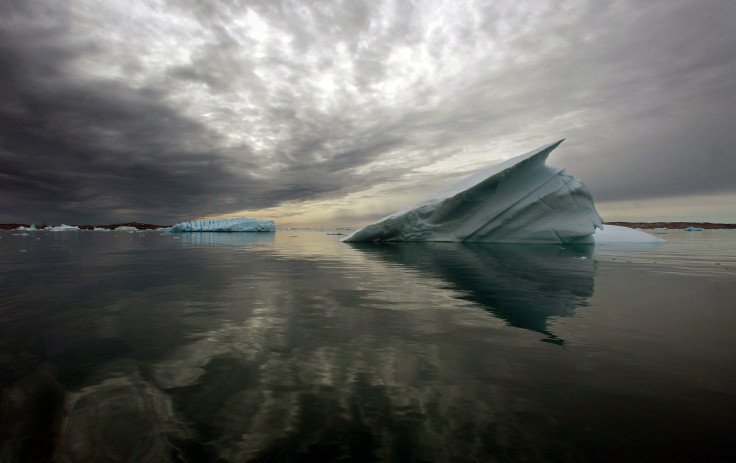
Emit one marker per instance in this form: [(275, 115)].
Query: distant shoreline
[(643, 225), (675, 225), (138, 225)]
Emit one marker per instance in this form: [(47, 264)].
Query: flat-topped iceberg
[(233, 224), (521, 200), (63, 227)]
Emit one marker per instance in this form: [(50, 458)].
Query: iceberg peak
[(521, 200)]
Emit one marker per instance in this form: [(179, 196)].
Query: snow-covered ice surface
[(233, 224), (521, 200), (63, 227), (615, 234)]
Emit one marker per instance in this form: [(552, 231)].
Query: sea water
[(292, 346)]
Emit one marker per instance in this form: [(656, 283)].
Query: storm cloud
[(161, 111)]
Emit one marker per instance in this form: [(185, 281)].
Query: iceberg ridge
[(233, 224), (521, 200)]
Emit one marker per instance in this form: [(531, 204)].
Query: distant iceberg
[(521, 200), (63, 227), (233, 224)]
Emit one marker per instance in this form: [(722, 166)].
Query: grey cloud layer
[(161, 111)]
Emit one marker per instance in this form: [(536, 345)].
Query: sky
[(337, 113)]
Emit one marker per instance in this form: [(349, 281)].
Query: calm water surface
[(294, 347)]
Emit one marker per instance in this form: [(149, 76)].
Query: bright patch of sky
[(419, 56)]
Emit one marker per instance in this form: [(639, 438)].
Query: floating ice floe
[(63, 227), (693, 229), (521, 200), (233, 224)]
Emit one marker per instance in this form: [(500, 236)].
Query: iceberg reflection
[(218, 238), (524, 285)]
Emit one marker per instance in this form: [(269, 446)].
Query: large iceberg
[(233, 224), (522, 200)]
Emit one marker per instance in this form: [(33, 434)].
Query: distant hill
[(138, 225), (675, 225)]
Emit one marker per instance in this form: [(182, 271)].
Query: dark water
[(294, 347)]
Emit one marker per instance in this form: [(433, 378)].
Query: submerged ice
[(522, 200), (233, 224)]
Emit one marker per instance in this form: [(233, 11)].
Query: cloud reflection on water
[(224, 351)]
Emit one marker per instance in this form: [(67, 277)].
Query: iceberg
[(233, 224), (521, 200), (63, 227)]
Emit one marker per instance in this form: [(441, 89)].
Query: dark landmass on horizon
[(138, 225), (643, 225), (675, 225)]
